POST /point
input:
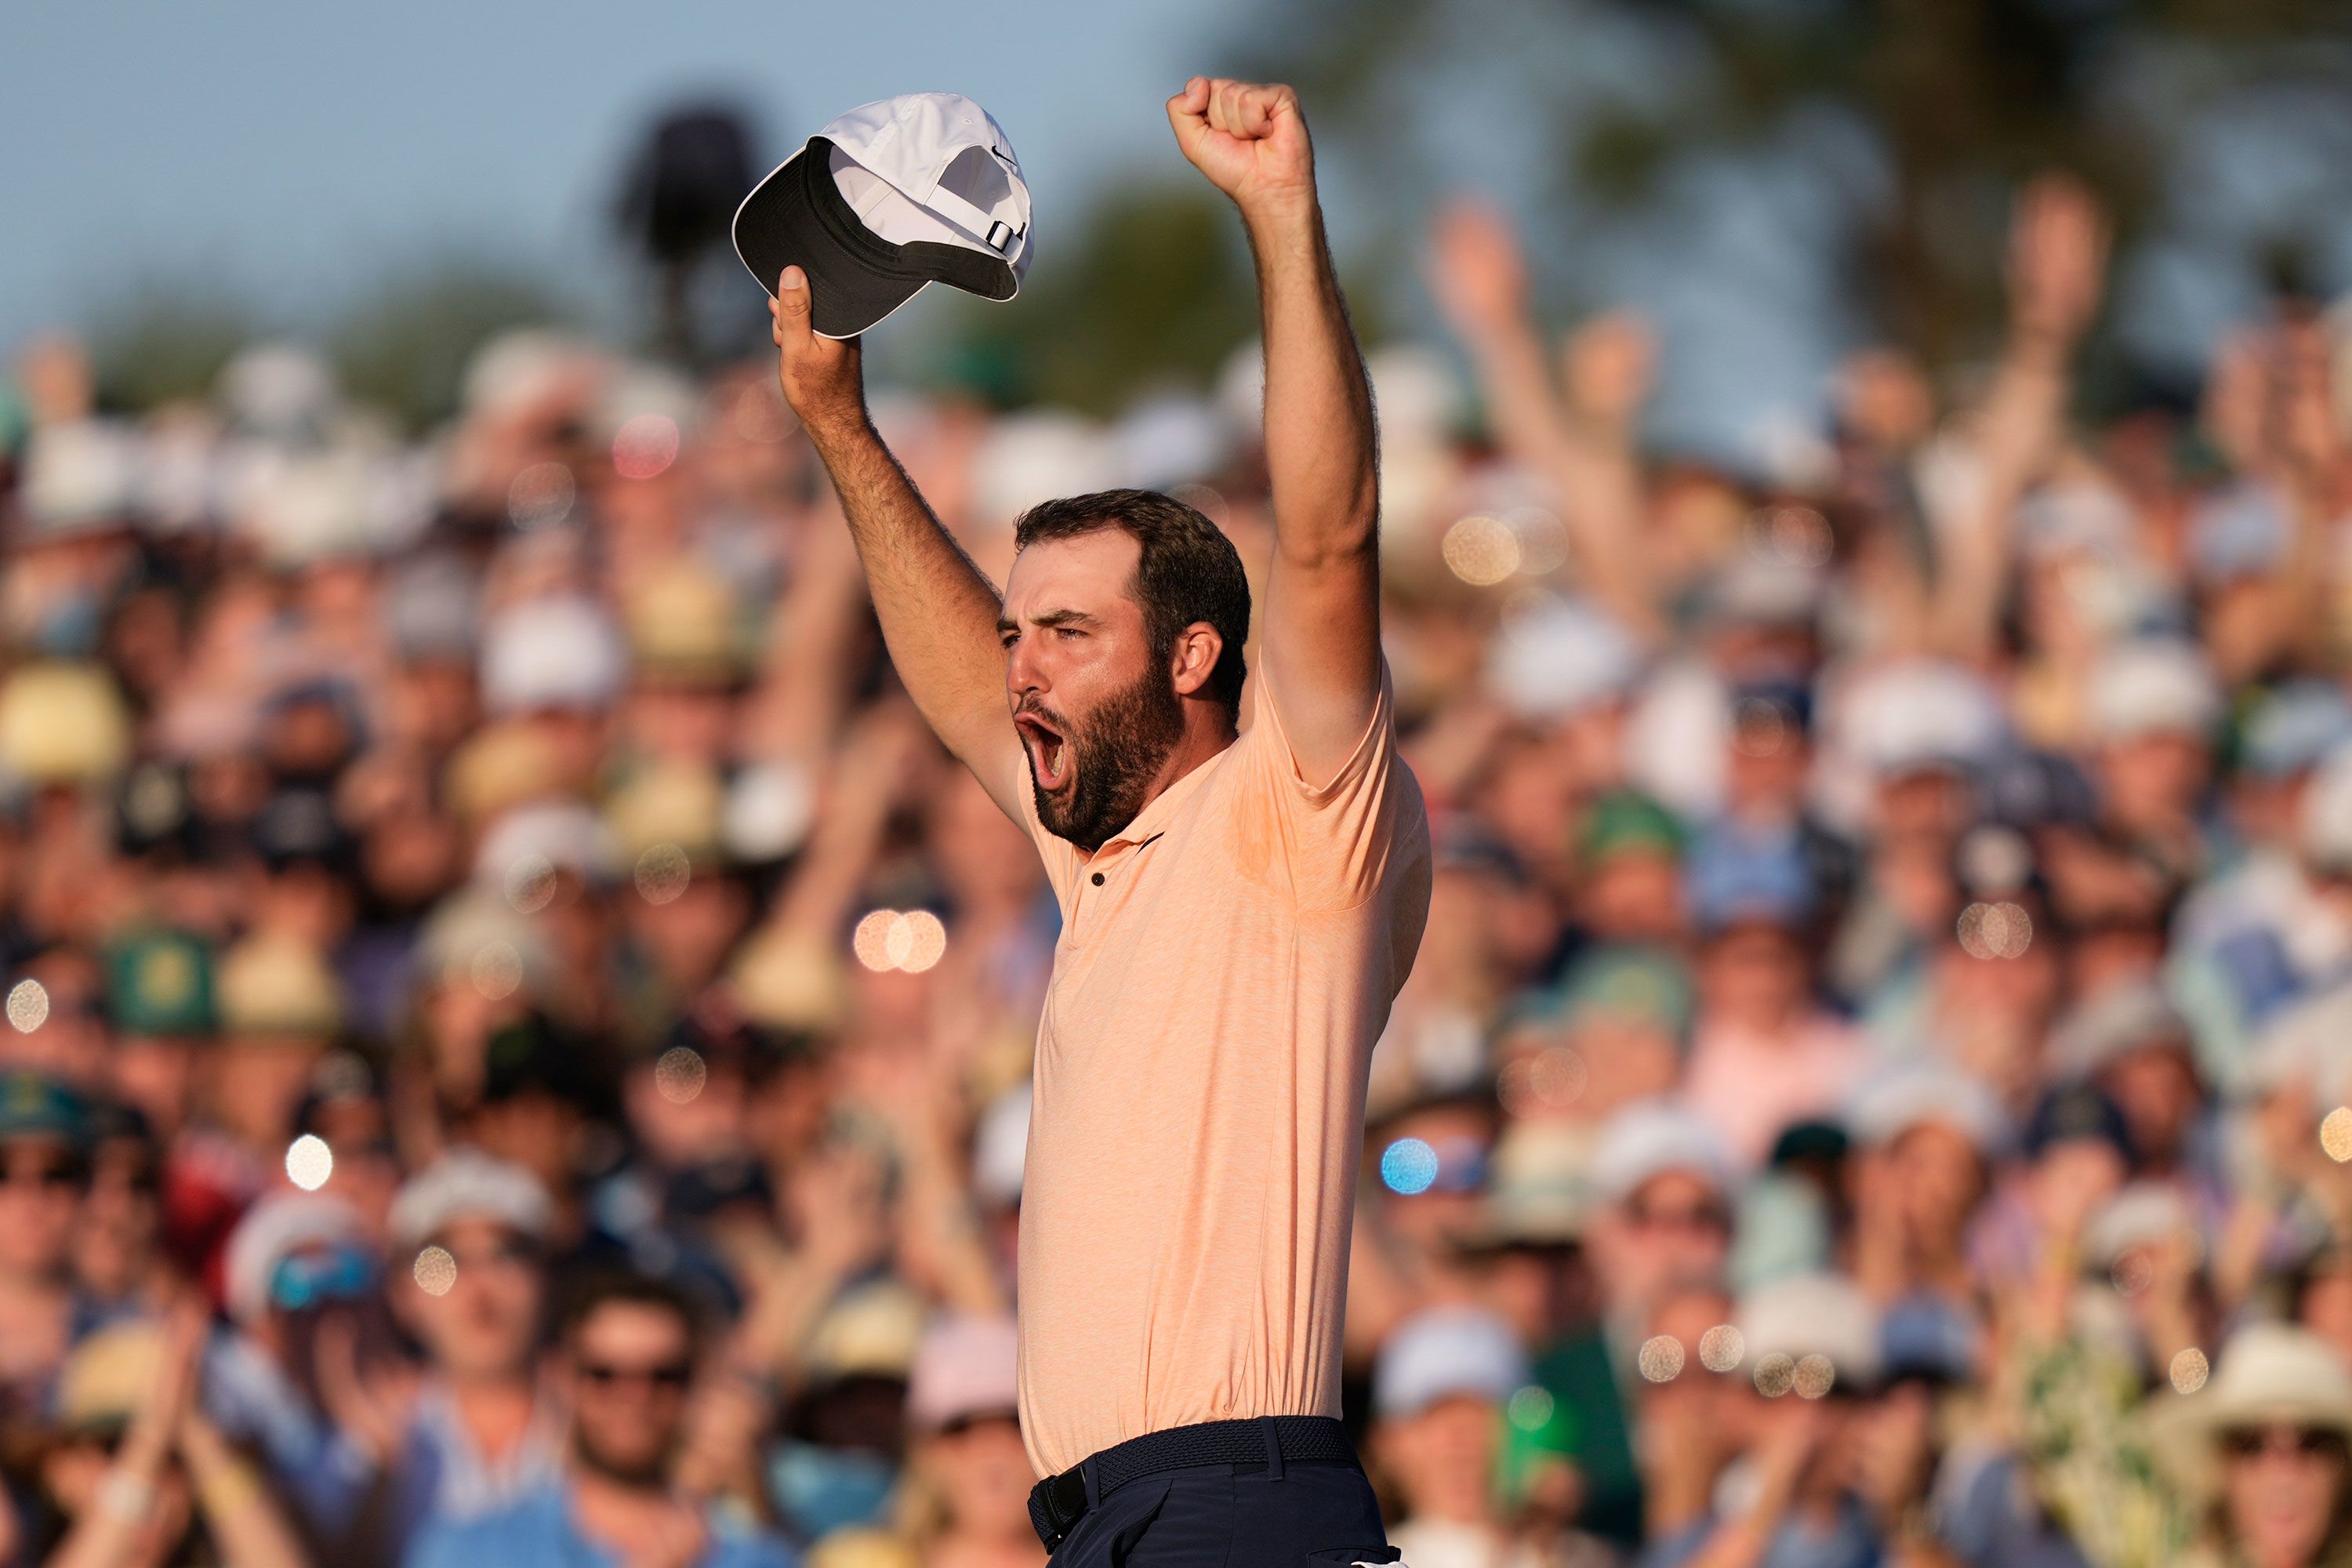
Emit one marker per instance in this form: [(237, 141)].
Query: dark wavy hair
[(1189, 570)]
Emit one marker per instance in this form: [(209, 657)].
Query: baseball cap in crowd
[(1892, 1102), (1740, 879), (1648, 1138), (1816, 1315), (159, 982), (964, 1368), (1443, 1353), (1562, 658), (2292, 729), (2153, 686), (33, 1105), (2075, 1112), (2126, 1016), (466, 1183), (1628, 822), (1627, 983), (892, 197), (1929, 1338), (273, 1230)]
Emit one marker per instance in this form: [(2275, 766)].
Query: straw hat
[(2272, 1374)]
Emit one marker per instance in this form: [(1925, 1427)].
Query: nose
[(1023, 674)]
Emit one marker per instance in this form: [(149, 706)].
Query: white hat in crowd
[(1443, 1353), (2271, 1374), (2153, 686), (275, 1228), (965, 1365), (466, 1184), (1918, 1093), (549, 653), (1814, 1314), (1650, 1138)]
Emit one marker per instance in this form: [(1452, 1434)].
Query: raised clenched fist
[(1248, 138)]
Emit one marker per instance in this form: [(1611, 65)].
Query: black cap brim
[(798, 217)]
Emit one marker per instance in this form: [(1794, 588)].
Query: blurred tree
[(153, 344), (1154, 287), (402, 346), (1955, 102)]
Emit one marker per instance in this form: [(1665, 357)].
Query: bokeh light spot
[(644, 446), (1543, 539), (309, 1162), (1530, 1409), (1408, 1166), (435, 1271), (1775, 1376), (1720, 1348), (1760, 729), (540, 495), (1795, 534), (663, 873), (925, 940), (1813, 1376), (1662, 1358), (680, 1074), (871, 940), (497, 970), (2190, 1369), (2334, 1132), (2133, 1272), (29, 1006), (530, 883), (1481, 550), (1995, 931)]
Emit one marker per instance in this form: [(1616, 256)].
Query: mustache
[(1029, 710)]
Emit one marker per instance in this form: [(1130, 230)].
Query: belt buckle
[(1065, 1503)]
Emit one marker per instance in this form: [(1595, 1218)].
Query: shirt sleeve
[(1340, 835)]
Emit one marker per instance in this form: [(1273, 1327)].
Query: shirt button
[(1099, 878)]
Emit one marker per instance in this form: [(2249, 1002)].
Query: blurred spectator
[(628, 1348)]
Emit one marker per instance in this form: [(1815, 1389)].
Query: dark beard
[(1115, 753), (648, 1475)]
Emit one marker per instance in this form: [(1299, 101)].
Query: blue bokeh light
[(1408, 1166)]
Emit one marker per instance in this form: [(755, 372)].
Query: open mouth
[(1049, 752)]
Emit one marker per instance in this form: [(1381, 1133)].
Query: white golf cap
[(891, 196)]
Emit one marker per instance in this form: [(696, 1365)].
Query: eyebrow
[(1050, 618)]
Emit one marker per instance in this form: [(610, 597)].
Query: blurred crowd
[(517, 1038)]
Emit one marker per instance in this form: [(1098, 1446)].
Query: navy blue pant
[(1300, 1514)]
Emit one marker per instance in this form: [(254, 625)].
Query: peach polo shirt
[(1224, 965)]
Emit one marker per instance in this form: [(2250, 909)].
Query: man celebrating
[(1239, 908)]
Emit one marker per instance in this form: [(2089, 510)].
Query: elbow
[(1344, 541)]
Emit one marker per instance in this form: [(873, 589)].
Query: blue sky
[(294, 150)]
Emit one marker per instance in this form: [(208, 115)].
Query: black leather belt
[(1058, 1502)]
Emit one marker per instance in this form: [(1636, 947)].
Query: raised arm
[(937, 612), (1322, 618)]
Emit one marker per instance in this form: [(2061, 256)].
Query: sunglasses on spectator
[(958, 1425), (1685, 1216), (52, 1172), (670, 1375), (2304, 1443), (315, 1279), (511, 1253)]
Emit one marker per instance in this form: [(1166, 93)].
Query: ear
[(1194, 658)]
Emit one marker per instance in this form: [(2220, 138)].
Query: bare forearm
[(1319, 402), (938, 611)]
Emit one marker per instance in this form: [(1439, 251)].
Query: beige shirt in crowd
[(1225, 964)]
